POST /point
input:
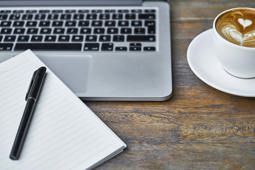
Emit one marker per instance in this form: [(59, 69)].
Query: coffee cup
[(234, 41)]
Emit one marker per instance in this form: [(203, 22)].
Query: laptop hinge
[(70, 2)]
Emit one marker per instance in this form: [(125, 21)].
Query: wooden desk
[(200, 127)]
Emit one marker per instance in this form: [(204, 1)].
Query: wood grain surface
[(199, 127)]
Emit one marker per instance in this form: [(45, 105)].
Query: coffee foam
[(238, 26)]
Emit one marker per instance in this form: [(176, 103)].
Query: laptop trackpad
[(73, 71)]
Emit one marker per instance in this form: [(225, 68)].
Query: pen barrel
[(23, 129)]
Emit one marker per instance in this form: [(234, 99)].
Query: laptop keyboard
[(109, 30)]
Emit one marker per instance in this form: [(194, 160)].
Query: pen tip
[(42, 68), (12, 157)]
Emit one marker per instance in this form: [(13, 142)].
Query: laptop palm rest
[(73, 71)]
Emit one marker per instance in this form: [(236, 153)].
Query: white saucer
[(205, 65)]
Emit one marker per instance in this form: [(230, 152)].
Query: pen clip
[(30, 85)]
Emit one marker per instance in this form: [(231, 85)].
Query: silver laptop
[(102, 49)]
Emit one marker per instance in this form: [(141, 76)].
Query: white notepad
[(64, 134)]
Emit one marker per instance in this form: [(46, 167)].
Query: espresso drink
[(238, 26)]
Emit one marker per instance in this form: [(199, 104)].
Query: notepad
[(64, 134)]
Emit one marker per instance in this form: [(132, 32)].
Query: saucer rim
[(206, 81)]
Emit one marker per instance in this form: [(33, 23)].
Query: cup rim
[(230, 43)]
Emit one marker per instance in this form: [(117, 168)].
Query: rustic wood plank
[(204, 10), (200, 127)]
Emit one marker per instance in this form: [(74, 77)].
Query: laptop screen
[(68, 2)]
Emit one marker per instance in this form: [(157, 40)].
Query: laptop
[(116, 50)]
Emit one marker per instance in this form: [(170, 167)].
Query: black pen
[(32, 97)]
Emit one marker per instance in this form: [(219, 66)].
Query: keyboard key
[(70, 23), (110, 23), (70, 11), (107, 47), (149, 48), (91, 47), (3, 17), (9, 38), (83, 23), (123, 11), (49, 46), (31, 11), (91, 16), (112, 31), (99, 31), (44, 23), (130, 16), (146, 16), (18, 23), (85, 30), (136, 23), (77, 38), (122, 48), (104, 38), (72, 30), (117, 16), (40, 16), (150, 11), (59, 31), (45, 31), (78, 16), (57, 23), (36, 38), (149, 23), (27, 17), (135, 44), (6, 46), (32, 31), (139, 31), (50, 38), (83, 11), (126, 30), (136, 11), (57, 11), (123, 23), (96, 11), (31, 24), (141, 38), (6, 31), (91, 38), (109, 11), (19, 31), (118, 38), (64, 38), (151, 30), (65, 16), (135, 48), (44, 11), (53, 16), (5, 23), (97, 23), (104, 16), (23, 38)]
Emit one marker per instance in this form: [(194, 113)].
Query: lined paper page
[(64, 134)]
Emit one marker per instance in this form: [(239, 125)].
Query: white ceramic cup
[(238, 61)]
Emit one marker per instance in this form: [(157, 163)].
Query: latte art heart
[(233, 34), (244, 22), (238, 26)]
